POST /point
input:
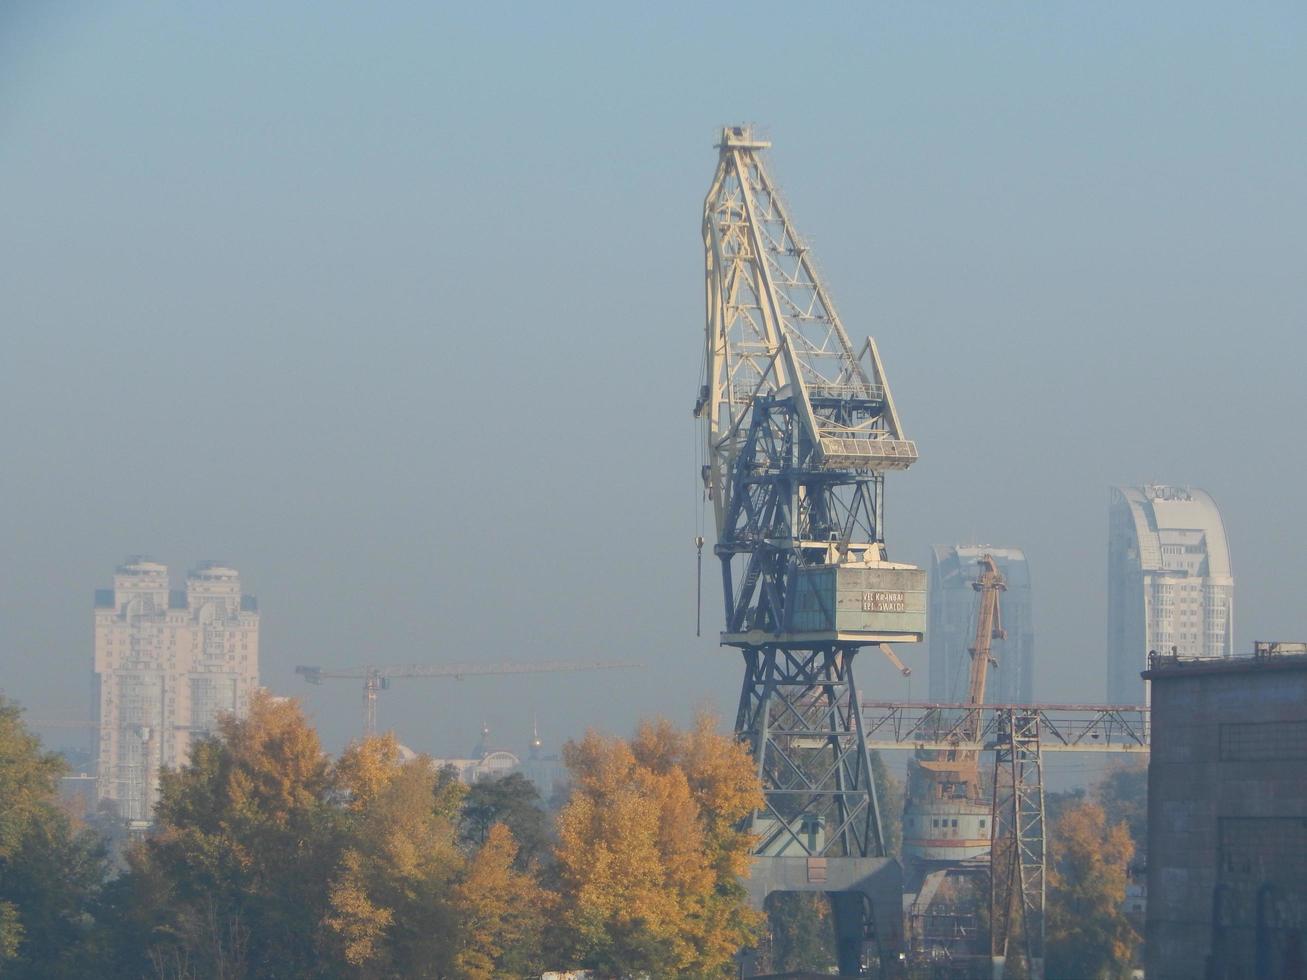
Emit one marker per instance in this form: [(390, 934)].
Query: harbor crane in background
[(1019, 735), (377, 678), (946, 813), (954, 825), (800, 429)]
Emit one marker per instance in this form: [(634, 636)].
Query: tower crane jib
[(377, 678)]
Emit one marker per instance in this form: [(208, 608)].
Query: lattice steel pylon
[(1016, 906), (800, 430)]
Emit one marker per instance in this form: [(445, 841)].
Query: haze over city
[(400, 313)]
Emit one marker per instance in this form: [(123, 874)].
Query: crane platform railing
[(1062, 727), (887, 453), (818, 390)]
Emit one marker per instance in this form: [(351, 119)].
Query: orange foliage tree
[(650, 853), (1088, 933)]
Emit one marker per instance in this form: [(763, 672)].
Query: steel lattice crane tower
[(800, 429), (376, 679)]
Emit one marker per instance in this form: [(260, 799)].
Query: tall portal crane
[(376, 679), (800, 428), (947, 808)]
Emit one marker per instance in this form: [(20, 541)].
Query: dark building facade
[(1227, 817)]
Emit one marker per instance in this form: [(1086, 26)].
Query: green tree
[(1123, 793), (801, 935), (1088, 934), (50, 872), (889, 798), (513, 801)]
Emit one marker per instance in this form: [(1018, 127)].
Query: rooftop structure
[(952, 624), (167, 664), (1170, 586), (1227, 815)]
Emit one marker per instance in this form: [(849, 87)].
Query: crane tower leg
[(819, 828), (1016, 910)]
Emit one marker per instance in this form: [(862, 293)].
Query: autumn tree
[(501, 912), (650, 851), (235, 878), (50, 872), (390, 897), (1088, 933), (410, 897)]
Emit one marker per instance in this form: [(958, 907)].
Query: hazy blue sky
[(398, 309)]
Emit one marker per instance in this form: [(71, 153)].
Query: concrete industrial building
[(1170, 587), (167, 663), (952, 625), (1227, 816)]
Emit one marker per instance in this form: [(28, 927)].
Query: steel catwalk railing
[(1062, 727)]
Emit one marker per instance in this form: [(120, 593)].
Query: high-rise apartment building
[(167, 664), (1169, 583), (951, 627)]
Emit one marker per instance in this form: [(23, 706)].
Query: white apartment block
[(1169, 583), (167, 664)]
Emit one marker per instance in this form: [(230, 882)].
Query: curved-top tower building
[(1169, 582)]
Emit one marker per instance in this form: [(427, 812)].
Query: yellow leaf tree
[(391, 900), (649, 851), (501, 913), (235, 877), (1088, 933)]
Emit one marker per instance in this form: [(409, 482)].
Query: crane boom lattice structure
[(377, 678), (800, 430)]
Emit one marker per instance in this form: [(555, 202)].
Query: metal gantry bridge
[(1063, 727), (1018, 735)]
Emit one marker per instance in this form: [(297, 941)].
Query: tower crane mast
[(377, 678)]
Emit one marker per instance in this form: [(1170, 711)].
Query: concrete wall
[(1227, 819)]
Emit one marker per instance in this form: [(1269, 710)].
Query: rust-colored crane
[(989, 627), (377, 678)]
